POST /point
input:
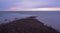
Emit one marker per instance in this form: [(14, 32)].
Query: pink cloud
[(33, 9), (13, 8)]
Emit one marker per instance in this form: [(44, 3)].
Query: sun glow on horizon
[(34, 9)]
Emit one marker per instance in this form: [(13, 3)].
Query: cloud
[(36, 3), (28, 3), (22, 4), (33, 9)]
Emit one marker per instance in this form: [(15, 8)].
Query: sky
[(12, 5)]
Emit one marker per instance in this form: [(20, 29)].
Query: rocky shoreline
[(26, 25)]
